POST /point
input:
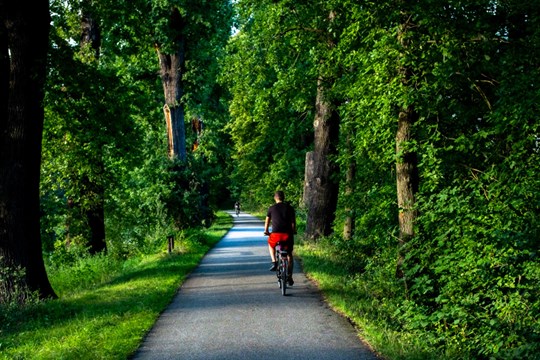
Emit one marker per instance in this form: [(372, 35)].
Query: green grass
[(107, 317)]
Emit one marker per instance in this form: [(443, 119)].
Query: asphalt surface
[(231, 307)]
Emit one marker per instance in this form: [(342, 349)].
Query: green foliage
[(474, 282), (82, 272), (13, 289), (14, 294), (185, 202), (105, 140), (466, 268), (469, 73), (137, 216), (468, 70), (87, 133), (271, 104)]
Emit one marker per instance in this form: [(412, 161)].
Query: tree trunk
[(96, 221), (308, 176), (348, 227), (406, 175), (322, 186), (407, 179), (91, 33), (172, 67), (95, 215), (94, 189), (24, 33)]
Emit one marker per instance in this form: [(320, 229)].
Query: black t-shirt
[(282, 216)]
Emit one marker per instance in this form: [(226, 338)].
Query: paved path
[(231, 308)]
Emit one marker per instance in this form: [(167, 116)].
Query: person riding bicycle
[(237, 207), (283, 219)]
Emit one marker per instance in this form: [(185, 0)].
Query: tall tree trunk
[(309, 167), (197, 126), (24, 35), (94, 189), (91, 33), (321, 189), (407, 179), (172, 67), (96, 221), (348, 227), (95, 216)]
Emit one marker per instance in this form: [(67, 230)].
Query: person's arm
[(266, 225), (293, 223)]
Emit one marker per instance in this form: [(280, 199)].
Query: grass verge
[(108, 318)]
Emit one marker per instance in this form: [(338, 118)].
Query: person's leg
[(291, 263), (290, 280), (290, 256), (272, 253)]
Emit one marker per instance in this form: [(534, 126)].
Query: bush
[(14, 293)]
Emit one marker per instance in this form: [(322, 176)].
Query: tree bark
[(308, 176), (322, 186), (24, 33), (406, 175), (172, 67)]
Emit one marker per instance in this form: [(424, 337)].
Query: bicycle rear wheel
[(278, 269), (284, 274)]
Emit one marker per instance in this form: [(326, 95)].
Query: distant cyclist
[(237, 207), (283, 219)]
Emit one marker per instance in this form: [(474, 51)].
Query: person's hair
[(280, 195)]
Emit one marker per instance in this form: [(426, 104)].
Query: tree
[(321, 189), (407, 179), (187, 36), (323, 184), (94, 187), (185, 32), (97, 126), (74, 134), (280, 78), (24, 38), (437, 108), (349, 224), (172, 65)]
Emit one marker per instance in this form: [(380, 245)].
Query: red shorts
[(285, 239)]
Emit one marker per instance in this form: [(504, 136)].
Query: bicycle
[(237, 209), (282, 271)]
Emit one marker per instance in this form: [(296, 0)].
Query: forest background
[(405, 133)]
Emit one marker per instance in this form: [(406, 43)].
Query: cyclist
[(282, 217), (237, 207)]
